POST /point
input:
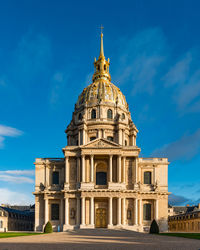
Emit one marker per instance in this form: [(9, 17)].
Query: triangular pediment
[(101, 143)]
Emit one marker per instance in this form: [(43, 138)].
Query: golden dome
[(102, 90)]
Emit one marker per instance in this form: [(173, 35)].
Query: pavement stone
[(98, 239)]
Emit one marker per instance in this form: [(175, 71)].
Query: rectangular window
[(147, 177), (147, 212), (55, 177), (54, 211)]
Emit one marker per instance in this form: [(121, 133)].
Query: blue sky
[(47, 49)]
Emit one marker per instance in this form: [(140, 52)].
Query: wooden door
[(101, 217)]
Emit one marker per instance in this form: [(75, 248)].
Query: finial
[(101, 50)]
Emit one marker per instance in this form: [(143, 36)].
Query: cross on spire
[(101, 28)]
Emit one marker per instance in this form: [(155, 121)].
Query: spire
[(101, 48), (101, 65)]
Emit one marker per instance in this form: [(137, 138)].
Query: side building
[(186, 221), (16, 220)]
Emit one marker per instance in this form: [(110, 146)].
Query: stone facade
[(16, 220), (189, 222), (185, 219), (101, 181)]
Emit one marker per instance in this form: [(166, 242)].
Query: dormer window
[(93, 114), (123, 116), (80, 117), (109, 114)]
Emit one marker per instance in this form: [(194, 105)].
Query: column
[(110, 211), (61, 212), (92, 210), (83, 136), (124, 211), (77, 211), (79, 138), (45, 176), (136, 211), (136, 170), (119, 212), (66, 211), (110, 167), (124, 169), (83, 211), (92, 168), (78, 169), (83, 168), (156, 209), (141, 215), (120, 136), (66, 169), (46, 211), (132, 140), (119, 168), (123, 141)]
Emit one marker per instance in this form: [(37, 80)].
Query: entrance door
[(101, 217)]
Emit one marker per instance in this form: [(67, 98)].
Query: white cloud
[(14, 198), (8, 131), (184, 148), (177, 200), (140, 60), (15, 179), (19, 172), (184, 80)]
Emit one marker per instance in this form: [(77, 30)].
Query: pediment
[(101, 143)]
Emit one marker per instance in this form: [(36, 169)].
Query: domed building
[(101, 182)]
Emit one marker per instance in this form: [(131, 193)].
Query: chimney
[(199, 206)]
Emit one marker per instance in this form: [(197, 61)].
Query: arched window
[(80, 117), (1, 224), (109, 114), (93, 115), (123, 116), (147, 177), (147, 211), (104, 67), (55, 178), (125, 142)]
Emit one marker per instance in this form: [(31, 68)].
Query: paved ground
[(98, 239)]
